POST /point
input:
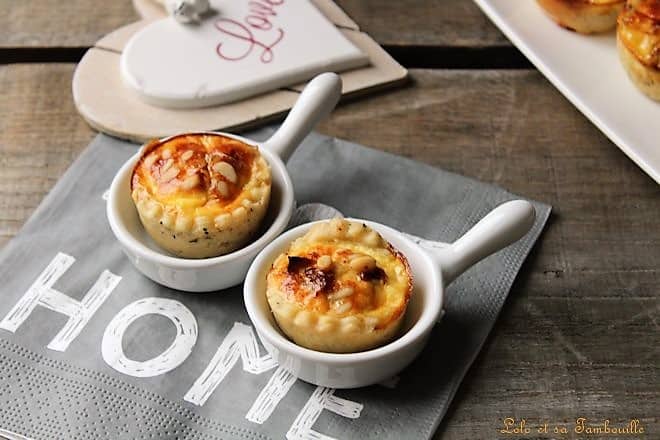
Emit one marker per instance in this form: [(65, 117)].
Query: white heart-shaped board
[(245, 48)]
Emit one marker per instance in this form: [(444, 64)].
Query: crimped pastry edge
[(327, 333), (646, 78)]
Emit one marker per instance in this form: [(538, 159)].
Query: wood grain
[(40, 135), (427, 23), (53, 23), (80, 23), (579, 335), (496, 126)]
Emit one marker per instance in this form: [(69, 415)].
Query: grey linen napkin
[(67, 251)]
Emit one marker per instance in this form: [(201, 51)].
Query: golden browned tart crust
[(201, 195), (340, 288), (638, 41), (584, 16)]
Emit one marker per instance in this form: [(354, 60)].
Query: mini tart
[(638, 41), (584, 16), (201, 195), (340, 288)]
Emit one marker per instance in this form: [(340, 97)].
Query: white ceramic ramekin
[(433, 269), (210, 274)]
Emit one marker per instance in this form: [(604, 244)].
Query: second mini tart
[(584, 16), (340, 288), (201, 195), (638, 41)]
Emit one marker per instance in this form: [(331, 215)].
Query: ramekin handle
[(503, 226), (315, 102)]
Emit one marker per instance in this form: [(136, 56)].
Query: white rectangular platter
[(586, 69)]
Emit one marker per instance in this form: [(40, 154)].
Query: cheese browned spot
[(340, 288), (201, 195)]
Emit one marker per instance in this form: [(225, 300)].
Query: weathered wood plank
[(579, 333), (428, 23), (497, 126), (48, 23), (554, 360), (40, 135), (51, 23)]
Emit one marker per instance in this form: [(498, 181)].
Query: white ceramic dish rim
[(278, 225), (427, 319)]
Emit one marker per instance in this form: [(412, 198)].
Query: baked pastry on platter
[(201, 195), (638, 41), (340, 288), (584, 16)]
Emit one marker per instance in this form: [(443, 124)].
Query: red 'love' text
[(241, 40)]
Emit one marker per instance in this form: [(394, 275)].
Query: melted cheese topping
[(340, 275), (200, 175), (639, 30)]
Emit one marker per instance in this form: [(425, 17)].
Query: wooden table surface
[(580, 333)]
